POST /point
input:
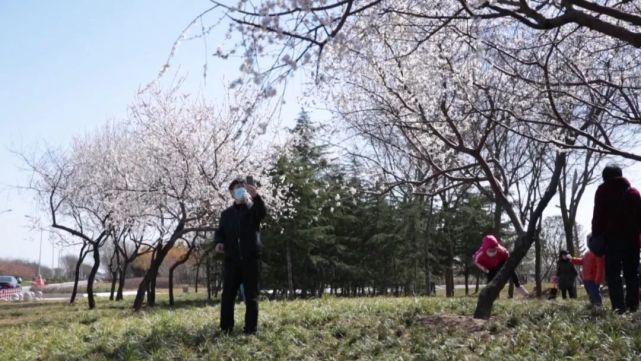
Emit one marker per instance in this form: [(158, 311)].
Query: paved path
[(460, 287), (64, 297)]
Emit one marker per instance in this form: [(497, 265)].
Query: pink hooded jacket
[(481, 258)]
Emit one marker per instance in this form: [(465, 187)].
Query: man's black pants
[(235, 273), (617, 261)]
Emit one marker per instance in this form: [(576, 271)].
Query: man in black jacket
[(237, 238), (617, 218)]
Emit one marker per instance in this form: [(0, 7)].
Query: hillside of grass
[(322, 329)]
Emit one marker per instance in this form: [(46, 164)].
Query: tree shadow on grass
[(160, 337), (160, 305), (187, 303), (30, 305)]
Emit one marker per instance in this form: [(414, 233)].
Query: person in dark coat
[(617, 218), (566, 275), (237, 238)]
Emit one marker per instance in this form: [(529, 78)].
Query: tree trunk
[(208, 277), (449, 281), (148, 283), (491, 291), (219, 278), (173, 267), (466, 274), (114, 272), (478, 281), (498, 213), (426, 248), (568, 227), (76, 276), (489, 294), (121, 282), (151, 295), (290, 277), (143, 288), (92, 276), (197, 278), (428, 281), (171, 286), (537, 265), (114, 279), (569, 239), (577, 186)]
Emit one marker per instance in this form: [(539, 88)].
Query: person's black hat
[(612, 171), (236, 182)]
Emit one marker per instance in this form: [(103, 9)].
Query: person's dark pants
[(235, 273), (626, 262), (492, 273), (568, 291), (592, 289)]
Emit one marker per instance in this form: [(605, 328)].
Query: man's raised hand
[(251, 189)]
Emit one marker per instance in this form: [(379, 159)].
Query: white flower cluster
[(170, 161), (431, 82)]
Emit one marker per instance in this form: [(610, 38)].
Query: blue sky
[(67, 67)]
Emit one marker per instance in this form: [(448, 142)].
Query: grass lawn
[(322, 329)]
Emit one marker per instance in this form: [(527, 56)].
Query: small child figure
[(566, 275), (554, 290), (593, 275)]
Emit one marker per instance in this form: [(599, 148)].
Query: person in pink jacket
[(39, 282), (593, 275), (491, 256)]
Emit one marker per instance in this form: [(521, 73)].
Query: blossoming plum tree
[(464, 86), (162, 174)]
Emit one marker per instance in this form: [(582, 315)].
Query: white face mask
[(491, 252), (240, 193)]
